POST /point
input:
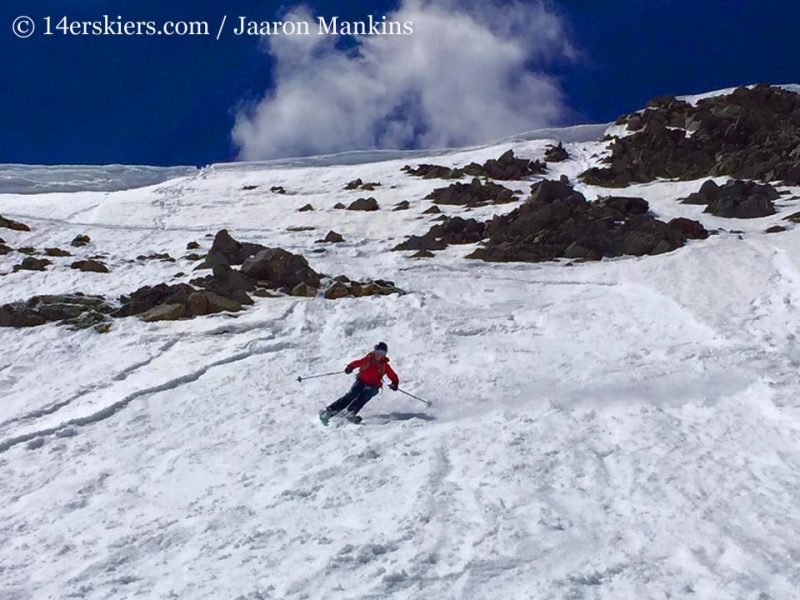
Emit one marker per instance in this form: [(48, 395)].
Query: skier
[(371, 370)]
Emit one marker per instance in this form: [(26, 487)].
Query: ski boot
[(353, 417), (325, 416)]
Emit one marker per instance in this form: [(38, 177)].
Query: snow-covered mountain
[(619, 429)]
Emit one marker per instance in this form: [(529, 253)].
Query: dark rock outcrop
[(558, 222), (427, 171), (14, 225), (56, 252), (748, 134), (367, 204), (556, 153), (279, 268), (33, 264), (332, 238), (226, 250), (506, 168), (452, 230), (89, 266), (736, 199), (472, 194), (80, 240)]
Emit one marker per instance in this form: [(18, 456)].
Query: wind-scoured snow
[(41, 179), (626, 429)]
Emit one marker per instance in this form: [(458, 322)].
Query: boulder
[(165, 312), (365, 204), (556, 153), (280, 268), (5, 249), (507, 167), (626, 205), (775, 229), (336, 291), (13, 225), (332, 238), (32, 264), (217, 303), (226, 250), (304, 290), (56, 252), (277, 189), (19, 315), (339, 206), (404, 205), (89, 266), (688, 228), (193, 246), (434, 172), (306, 208), (472, 194), (423, 254), (80, 240)]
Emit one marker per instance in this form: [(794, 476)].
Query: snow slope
[(628, 429)]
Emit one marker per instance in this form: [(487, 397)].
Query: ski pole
[(415, 397), (316, 376)]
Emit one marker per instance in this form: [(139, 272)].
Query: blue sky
[(175, 100)]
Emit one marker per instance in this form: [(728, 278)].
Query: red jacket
[(373, 368)]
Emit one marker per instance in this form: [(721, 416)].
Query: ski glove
[(393, 387), (348, 369)]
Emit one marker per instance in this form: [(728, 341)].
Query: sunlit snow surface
[(628, 429)]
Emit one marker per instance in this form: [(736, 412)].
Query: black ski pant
[(355, 399)]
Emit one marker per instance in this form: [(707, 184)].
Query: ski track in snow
[(623, 429)]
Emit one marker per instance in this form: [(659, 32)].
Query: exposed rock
[(793, 218), (433, 210), (332, 238), (423, 254), (217, 303), (148, 297), (80, 240), (507, 167), (5, 249), (336, 291), (558, 222), (339, 206), (434, 172), (304, 290), (378, 287), (194, 257), (193, 246), (453, 230), (14, 225), (56, 252), (556, 153), (19, 315), (776, 229), (627, 206), (27, 250), (249, 188), (367, 204), (262, 293), (228, 251), (280, 268), (277, 189), (32, 264), (359, 184), (404, 205), (690, 229), (748, 134), (89, 266), (165, 312), (164, 257), (736, 199), (472, 194), (306, 208)]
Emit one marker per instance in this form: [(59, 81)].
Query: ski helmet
[(381, 347)]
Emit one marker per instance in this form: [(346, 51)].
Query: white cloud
[(470, 72)]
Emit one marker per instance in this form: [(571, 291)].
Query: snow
[(621, 429), (41, 179)]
